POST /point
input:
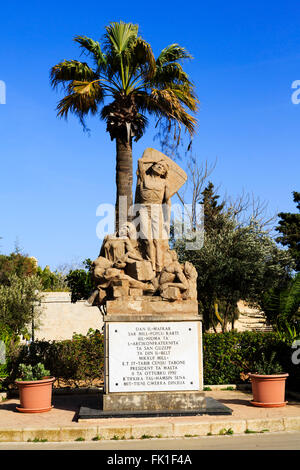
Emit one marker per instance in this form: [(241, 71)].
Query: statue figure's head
[(127, 230), (160, 168)]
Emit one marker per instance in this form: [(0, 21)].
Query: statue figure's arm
[(141, 170), (131, 252), (167, 195)]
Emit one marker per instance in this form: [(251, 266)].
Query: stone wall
[(60, 318)]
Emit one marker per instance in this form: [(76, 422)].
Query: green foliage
[(29, 372), (25, 266), (6, 334), (288, 334), (282, 309), (8, 341), (18, 264), (249, 431), (226, 432), (267, 366), (289, 227), (37, 439), (229, 357), (52, 281), (124, 68), (80, 282), (77, 360), (236, 262), (19, 302), (213, 221)]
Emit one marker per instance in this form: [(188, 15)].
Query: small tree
[(16, 263), (80, 282), (237, 262), (19, 302), (52, 281), (213, 219), (289, 227)]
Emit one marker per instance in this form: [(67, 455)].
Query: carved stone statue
[(177, 281), (152, 193), (137, 262), (122, 247)]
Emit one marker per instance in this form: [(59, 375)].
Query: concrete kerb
[(88, 430), (150, 430)]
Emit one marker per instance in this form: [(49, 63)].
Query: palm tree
[(282, 308), (125, 71)]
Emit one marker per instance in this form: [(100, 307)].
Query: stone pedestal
[(153, 356)]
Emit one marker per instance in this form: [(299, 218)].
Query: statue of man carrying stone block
[(140, 261)]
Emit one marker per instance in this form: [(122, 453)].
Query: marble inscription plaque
[(153, 356)]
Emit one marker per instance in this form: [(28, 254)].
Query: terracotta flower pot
[(35, 395), (268, 390)]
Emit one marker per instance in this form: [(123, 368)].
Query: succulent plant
[(29, 372)]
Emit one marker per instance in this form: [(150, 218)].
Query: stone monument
[(152, 329)]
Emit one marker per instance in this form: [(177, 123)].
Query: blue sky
[(53, 175)]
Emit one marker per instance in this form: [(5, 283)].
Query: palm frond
[(140, 56), (83, 99), (292, 298), (90, 46), (185, 94), (170, 73), (172, 53), (119, 37), (69, 70), (169, 101)]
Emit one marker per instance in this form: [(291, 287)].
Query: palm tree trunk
[(124, 180)]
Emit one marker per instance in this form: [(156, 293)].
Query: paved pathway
[(60, 424)]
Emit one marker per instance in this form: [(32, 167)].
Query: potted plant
[(268, 383), (35, 388)]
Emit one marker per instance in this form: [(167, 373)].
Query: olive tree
[(20, 299)]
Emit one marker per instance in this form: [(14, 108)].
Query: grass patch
[(146, 436), (80, 439), (226, 432), (249, 431), (36, 439)]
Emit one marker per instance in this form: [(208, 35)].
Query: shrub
[(8, 341), (77, 360), (227, 357), (27, 372)]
